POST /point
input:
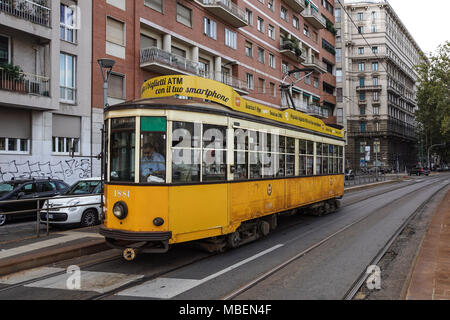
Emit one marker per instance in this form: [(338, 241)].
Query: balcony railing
[(25, 83), (297, 5), (314, 17), (317, 111), (172, 61), (369, 88), (237, 84), (227, 10), (316, 64), (34, 11)]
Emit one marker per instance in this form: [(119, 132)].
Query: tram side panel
[(250, 200), (197, 211)]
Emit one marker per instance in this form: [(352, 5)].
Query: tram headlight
[(158, 222), (120, 210)]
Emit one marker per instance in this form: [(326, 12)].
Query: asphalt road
[(326, 272)]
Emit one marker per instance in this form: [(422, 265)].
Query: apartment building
[(45, 90), (248, 44), (376, 85)]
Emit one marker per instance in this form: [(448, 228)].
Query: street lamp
[(106, 66)]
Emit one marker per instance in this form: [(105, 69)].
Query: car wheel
[(89, 218), (2, 219)]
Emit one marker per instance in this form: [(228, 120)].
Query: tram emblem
[(269, 190), (238, 101)]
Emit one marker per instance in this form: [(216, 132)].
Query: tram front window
[(122, 155), (153, 150)]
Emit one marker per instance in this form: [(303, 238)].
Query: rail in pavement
[(30, 253)]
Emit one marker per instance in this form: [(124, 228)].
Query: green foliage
[(13, 72), (433, 96)]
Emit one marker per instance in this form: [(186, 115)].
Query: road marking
[(28, 275), (69, 236), (167, 288), (100, 282)]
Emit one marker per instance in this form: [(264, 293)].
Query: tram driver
[(153, 164)]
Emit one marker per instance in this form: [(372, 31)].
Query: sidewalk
[(430, 278), (18, 255)]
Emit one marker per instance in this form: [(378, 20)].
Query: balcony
[(227, 10), (160, 61), (297, 5), (317, 65), (34, 11), (25, 83), (317, 111), (369, 88), (238, 85), (20, 89), (314, 18), (288, 50)]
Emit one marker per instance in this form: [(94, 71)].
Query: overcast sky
[(427, 21)]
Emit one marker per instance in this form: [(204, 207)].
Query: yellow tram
[(193, 160)]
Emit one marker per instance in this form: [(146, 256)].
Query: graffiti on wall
[(67, 170)]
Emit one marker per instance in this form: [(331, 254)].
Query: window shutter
[(115, 32)]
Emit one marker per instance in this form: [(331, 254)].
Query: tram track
[(161, 273), (360, 280)]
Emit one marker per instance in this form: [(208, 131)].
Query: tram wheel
[(234, 239)]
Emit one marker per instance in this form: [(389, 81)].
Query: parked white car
[(86, 210)]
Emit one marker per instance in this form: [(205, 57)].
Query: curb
[(39, 259), (371, 185)]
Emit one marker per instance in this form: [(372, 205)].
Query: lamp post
[(106, 66)]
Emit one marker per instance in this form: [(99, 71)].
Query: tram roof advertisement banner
[(198, 87)]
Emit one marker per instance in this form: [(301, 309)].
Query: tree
[(433, 98)]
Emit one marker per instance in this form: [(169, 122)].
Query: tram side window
[(241, 139), (290, 157), (318, 158), (122, 155), (306, 157), (153, 150), (186, 152), (214, 160), (340, 159), (255, 147)]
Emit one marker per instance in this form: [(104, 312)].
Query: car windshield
[(6, 187), (83, 187)]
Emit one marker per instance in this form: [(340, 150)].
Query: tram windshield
[(122, 155)]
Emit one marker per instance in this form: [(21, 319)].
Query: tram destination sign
[(197, 87)]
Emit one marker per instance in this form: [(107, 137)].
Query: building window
[(249, 17), (65, 145), (361, 30), (273, 89), (362, 81), (375, 96), (361, 50), (67, 24), (230, 38), (284, 67), (374, 66), (260, 24), (5, 56), (248, 49), (270, 5), (261, 55), (14, 145), (184, 15), (306, 30), (375, 81), (249, 78), (284, 14), (155, 5), (148, 42), (360, 16), (363, 127), (67, 78), (376, 110), (210, 28), (271, 31), (316, 82), (339, 75), (374, 28), (115, 38), (116, 86), (361, 66), (375, 50), (272, 60), (262, 85), (296, 22)]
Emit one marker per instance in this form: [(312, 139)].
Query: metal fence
[(361, 179), (35, 11), (42, 206)]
